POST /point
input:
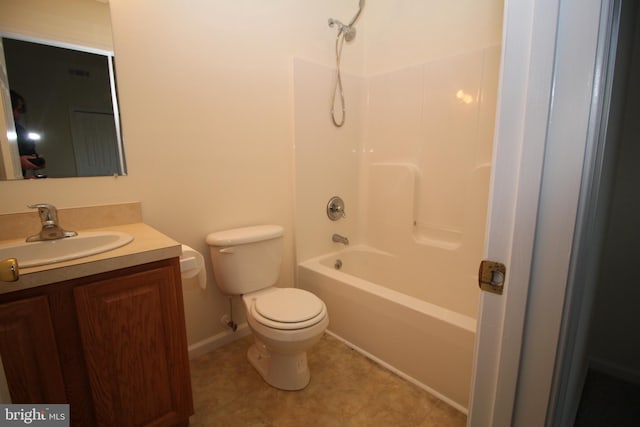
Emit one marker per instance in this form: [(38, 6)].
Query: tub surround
[(412, 165)]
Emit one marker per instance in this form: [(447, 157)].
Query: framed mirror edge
[(8, 167), (56, 43)]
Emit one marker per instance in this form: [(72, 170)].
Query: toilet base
[(284, 371)]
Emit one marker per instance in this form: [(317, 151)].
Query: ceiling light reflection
[(464, 97)]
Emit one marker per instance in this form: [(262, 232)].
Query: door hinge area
[(491, 276)]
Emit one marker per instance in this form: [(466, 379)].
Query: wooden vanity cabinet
[(112, 345), (28, 348)]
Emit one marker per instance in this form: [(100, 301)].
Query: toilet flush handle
[(226, 250)]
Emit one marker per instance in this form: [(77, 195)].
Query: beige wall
[(206, 93), (81, 22)]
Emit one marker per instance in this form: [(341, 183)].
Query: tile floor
[(346, 389)]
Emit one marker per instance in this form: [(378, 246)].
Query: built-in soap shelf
[(394, 208)]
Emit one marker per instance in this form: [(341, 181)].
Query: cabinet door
[(134, 342), (29, 352)]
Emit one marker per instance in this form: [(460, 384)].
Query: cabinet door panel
[(29, 352), (132, 331)]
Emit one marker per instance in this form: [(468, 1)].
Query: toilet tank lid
[(239, 236)]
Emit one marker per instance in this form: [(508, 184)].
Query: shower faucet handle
[(335, 209)]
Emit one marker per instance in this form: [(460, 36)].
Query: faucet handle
[(48, 213), (42, 206), (335, 209), (51, 230)]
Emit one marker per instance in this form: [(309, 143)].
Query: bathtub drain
[(338, 264)]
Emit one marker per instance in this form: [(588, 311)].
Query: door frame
[(542, 128)]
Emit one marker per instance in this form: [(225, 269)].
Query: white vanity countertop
[(148, 245)]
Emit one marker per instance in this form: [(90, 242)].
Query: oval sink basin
[(32, 254)]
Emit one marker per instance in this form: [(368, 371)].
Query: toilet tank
[(246, 259)]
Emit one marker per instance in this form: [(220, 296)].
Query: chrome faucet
[(340, 239), (51, 230)]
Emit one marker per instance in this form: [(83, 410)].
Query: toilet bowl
[(285, 322), (282, 337)]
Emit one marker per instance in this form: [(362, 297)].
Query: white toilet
[(285, 321)]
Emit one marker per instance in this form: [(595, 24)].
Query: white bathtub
[(428, 344)]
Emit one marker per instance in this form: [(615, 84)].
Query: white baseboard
[(218, 340)]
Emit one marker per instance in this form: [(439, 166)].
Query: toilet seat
[(287, 309)]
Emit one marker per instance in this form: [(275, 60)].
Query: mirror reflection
[(65, 110)]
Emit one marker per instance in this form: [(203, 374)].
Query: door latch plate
[(491, 276)]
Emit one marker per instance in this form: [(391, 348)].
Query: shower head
[(348, 32)]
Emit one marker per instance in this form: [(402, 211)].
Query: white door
[(543, 125), (95, 143)]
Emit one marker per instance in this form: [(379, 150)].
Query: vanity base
[(112, 345)]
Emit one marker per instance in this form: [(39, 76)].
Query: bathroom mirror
[(67, 82)]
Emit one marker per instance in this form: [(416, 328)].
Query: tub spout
[(340, 239)]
